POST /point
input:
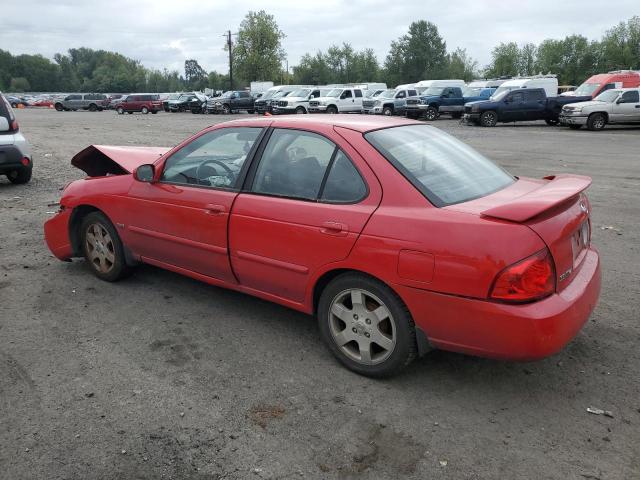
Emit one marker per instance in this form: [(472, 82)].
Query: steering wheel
[(230, 175)]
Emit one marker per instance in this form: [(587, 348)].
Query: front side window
[(445, 170), (214, 159), (534, 95), (293, 164), (608, 96), (346, 94), (401, 94), (516, 97), (630, 97)]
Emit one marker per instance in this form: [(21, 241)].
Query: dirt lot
[(160, 376)]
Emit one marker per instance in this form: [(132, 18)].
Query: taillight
[(526, 281), (14, 126)]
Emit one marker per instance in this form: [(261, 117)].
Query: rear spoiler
[(557, 190)]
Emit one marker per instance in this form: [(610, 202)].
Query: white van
[(368, 86), (548, 82), (423, 85), (494, 83)]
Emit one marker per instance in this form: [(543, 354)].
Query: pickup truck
[(437, 100), (518, 105), (621, 105), (338, 100), (232, 101), (389, 102)]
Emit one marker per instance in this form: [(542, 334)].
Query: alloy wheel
[(362, 326), (100, 248)]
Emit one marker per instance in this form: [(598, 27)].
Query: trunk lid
[(555, 208), (101, 160)]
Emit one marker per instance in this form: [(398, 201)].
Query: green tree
[(19, 84), (527, 59), (258, 52), (505, 60), (461, 65), (195, 76), (418, 55), (620, 46)]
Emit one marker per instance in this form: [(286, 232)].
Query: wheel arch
[(325, 279), (606, 114)]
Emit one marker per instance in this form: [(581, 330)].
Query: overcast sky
[(162, 34)]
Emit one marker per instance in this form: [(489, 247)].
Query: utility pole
[(230, 47)]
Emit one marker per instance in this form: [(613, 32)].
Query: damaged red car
[(397, 236)]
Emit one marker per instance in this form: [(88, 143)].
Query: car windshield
[(586, 89), (226, 94), (336, 92), (269, 94), (280, 94), (443, 169), (388, 94), (435, 91), (608, 96), (302, 92), (471, 91)]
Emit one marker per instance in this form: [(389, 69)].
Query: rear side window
[(413, 93), (358, 93), (344, 184), (630, 97), (443, 169), (534, 95)]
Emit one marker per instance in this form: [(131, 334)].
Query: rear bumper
[(510, 332), (572, 120), (11, 159), (56, 234)]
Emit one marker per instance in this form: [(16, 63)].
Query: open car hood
[(101, 160)]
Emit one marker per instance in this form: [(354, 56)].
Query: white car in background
[(298, 100), (338, 100), (621, 105), (15, 156)]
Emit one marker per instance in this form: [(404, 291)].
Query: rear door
[(513, 107), (628, 110), (535, 104), (305, 203)]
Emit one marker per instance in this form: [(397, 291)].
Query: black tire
[(404, 333), (93, 107), (489, 118), (551, 122), (226, 109), (251, 112), (130, 113), (153, 112), (59, 107), (118, 268), (431, 113), (575, 127), (388, 111), (19, 177), (120, 110), (456, 115), (332, 109), (300, 110), (145, 110), (596, 121), (14, 105)]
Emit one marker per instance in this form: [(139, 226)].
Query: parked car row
[(15, 155)]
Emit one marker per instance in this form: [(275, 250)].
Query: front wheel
[(489, 119), (93, 108), (59, 107), (120, 110), (431, 113), (332, 110), (226, 109), (366, 325), (596, 121), (102, 248), (300, 111)]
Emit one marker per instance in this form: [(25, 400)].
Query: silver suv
[(15, 156), (83, 101)]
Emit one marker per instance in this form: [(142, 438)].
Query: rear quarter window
[(445, 170)]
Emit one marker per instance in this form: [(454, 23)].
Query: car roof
[(359, 123)]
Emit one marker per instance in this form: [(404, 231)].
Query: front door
[(306, 203), (628, 110), (513, 107), (181, 219)]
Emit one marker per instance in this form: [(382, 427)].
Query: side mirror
[(4, 124), (619, 101), (144, 173)]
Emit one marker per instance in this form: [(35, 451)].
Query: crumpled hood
[(590, 103), (101, 160)]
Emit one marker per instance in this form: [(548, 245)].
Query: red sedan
[(397, 236)]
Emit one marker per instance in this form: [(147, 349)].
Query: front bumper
[(56, 234), (572, 119), (263, 108), (471, 117), (318, 109), (503, 331), (372, 110), (283, 110)]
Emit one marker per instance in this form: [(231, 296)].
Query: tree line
[(258, 54)]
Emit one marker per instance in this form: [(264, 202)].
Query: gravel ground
[(161, 376)]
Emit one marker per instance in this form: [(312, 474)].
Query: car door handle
[(334, 228), (214, 209)]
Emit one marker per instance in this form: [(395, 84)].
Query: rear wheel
[(366, 325), (93, 107), (489, 119), (145, 110), (596, 121), (102, 248), (59, 107), (19, 177), (431, 113)]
